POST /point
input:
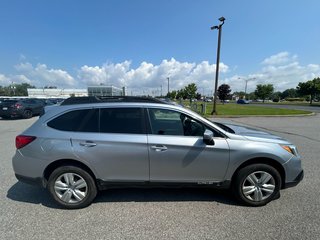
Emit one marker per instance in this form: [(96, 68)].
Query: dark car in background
[(25, 108), (243, 101)]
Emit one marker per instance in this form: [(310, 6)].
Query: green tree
[(289, 93), (172, 94), (264, 91), (15, 89), (21, 89), (276, 96), (180, 94), (311, 88), (251, 96), (190, 91), (240, 94), (223, 92), (198, 96)]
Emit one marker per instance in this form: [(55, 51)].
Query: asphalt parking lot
[(27, 212)]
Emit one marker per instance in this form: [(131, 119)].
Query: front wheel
[(72, 187), (257, 184)]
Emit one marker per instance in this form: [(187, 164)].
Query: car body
[(102, 145), (243, 101), (25, 108)]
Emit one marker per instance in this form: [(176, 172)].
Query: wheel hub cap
[(70, 188), (258, 186)]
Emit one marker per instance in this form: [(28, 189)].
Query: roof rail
[(94, 99)]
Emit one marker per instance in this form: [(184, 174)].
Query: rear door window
[(122, 120), (86, 120)]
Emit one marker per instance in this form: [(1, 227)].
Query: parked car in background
[(243, 101), (25, 108)]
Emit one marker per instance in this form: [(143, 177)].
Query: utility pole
[(168, 84), (245, 89), (219, 27)]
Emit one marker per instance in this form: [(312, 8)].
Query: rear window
[(86, 120), (10, 101), (112, 120)]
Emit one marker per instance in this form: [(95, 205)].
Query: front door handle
[(159, 148), (88, 144)]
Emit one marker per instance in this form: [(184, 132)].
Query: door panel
[(187, 159), (115, 157), (177, 152)]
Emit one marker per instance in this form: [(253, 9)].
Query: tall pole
[(168, 84), (222, 19), (245, 89)]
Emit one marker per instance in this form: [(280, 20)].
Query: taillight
[(17, 105), (22, 140)]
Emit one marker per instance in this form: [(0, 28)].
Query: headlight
[(290, 148)]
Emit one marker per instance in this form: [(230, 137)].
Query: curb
[(243, 116)]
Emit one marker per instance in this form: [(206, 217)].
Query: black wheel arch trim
[(65, 162), (267, 161)]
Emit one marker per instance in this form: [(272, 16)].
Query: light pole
[(245, 89), (168, 84), (219, 27)]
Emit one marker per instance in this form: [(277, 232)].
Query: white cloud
[(13, 79), (40, 75), (280, 58), (148, 78), (4, 80), (282, 70)]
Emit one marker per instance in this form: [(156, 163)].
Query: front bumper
[(295, 181)]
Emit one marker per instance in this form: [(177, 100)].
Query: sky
[(140, 43)]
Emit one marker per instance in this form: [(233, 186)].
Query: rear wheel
[(72, 187), (27, 113), (257, 184)]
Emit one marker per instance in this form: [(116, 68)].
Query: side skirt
[(103, 185)]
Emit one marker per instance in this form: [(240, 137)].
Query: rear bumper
[(10, 113), (32, 181), (296, 181)]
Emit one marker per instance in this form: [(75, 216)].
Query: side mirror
[(208, 137)]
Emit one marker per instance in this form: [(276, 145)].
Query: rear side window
[(86, 120), (122, 120)]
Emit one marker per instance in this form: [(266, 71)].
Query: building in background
[(56, 93), (102, 91), (99, 91)]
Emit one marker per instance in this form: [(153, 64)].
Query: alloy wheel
[(70, 188), (258, 186)]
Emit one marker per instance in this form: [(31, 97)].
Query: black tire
[(246, 180), (78, 173), (27, 114)]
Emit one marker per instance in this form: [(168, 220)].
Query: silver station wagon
[(90, 144)]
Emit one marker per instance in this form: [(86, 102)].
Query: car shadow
[(22, 192)]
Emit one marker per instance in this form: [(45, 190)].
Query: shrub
[(295, 99)]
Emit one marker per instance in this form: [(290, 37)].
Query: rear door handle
[(88, 144), (159, 148)]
